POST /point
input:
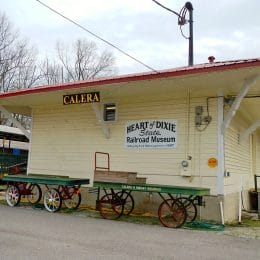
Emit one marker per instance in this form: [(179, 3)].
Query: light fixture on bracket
[(229, 100)]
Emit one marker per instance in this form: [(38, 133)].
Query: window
[(110, 112)]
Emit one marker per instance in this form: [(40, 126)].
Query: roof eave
[(184, 71)]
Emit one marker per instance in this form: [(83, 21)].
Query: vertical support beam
[(9, 115), (221, 140), (30, 146), (100, 119)]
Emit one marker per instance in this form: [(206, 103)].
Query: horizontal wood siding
[(65, 139), (238, 158), (257, 154)]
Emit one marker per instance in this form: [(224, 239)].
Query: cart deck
[(45, 179), (195, 191), (66, 189)]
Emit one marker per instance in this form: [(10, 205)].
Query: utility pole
[(182, 21), (189, 7)]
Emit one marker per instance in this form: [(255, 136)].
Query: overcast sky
[(226, 29)]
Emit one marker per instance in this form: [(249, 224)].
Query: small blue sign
[(16, 151)]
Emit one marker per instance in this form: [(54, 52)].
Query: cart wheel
[(111, 206), (73, 198), (190, 207), (12, 195), (172, 213), (127, 200), (35, 193), (52, 200)]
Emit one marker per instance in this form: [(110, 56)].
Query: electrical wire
[(168, 9), (181, 16), (183, 35), (97, 36)]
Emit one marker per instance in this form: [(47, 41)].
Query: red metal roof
[(181, 71)]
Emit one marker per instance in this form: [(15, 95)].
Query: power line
[(97, 36), (181, 16), (168, 9)]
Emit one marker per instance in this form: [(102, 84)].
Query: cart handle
[(108, 161)]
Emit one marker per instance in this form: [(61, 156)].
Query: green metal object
[(203, 225), (196, 191), (45, 179)]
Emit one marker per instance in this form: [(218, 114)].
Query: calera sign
[(151, 134), (81, 98)]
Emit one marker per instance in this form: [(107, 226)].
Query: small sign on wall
[(81, 98), (212, 162), (159, 133)]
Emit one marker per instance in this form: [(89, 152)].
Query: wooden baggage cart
[(58, 189), (178, 206), (179, 203)]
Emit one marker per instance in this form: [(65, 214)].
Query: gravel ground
[(242, 231), (27, 233), (245, 232)]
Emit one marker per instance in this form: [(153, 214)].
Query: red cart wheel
[(12, 195), (111, 206), (172, 213), (35, 193), (52, 200), (71, 197), (127, 200), (190, 207)]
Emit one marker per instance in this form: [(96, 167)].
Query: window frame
[(104, 111)]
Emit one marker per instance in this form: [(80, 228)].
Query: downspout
[(187, 141)]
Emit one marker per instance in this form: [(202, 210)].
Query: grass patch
[(81, 211), (140, 219), (2, 202), (249, 222)]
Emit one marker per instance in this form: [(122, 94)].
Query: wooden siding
[(65, 138), (257, 153), (238, 158)]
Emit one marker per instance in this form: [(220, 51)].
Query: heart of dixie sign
[(151, 134)]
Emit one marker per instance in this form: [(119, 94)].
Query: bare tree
[(78, 61), (17, 59), (18, 64), (51, 72), (84, 61), (18, 68)]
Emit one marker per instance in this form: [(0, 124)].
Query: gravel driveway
[(26, 233)]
